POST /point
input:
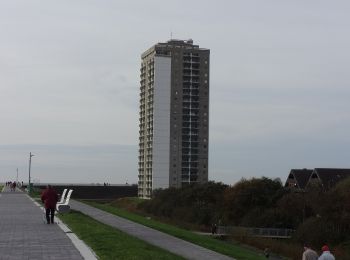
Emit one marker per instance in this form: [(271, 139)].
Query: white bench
[(64, 207), (62, 197)]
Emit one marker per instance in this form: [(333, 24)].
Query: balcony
[(189, 151)]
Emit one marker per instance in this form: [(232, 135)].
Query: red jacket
[(50, 198)]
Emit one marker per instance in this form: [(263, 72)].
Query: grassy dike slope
[(109, 243), (204, 241)]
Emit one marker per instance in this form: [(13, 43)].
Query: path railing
[(256, 232)]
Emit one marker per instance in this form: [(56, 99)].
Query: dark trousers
[(48, 217)]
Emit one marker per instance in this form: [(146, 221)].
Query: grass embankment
[(110, 243), (211, 243)]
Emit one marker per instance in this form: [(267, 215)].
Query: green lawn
[(205, 241), (109, 243)]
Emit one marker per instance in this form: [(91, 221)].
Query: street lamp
[(30, 164)]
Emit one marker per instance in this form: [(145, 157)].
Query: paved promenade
[(162, 240), (24, 235)]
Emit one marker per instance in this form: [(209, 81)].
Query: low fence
[(94, 192), (257, 232)]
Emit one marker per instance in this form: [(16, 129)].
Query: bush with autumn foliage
[(318, 216)]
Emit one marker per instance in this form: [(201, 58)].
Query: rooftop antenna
[(171, 35)]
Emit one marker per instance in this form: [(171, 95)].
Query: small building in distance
[(298, 178), (325, 177), (328, 177)]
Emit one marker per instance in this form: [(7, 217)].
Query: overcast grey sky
[(69, 84)]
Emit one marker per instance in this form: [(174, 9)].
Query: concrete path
[(24, 235), (154, 237)]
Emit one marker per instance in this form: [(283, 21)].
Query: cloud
[(69, 75), (70, 164)]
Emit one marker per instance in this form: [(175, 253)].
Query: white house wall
[(161, 122)]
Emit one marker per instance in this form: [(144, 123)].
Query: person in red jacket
[(50, 197)]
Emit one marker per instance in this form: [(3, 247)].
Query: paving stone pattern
[(157, 238), (25, 235)]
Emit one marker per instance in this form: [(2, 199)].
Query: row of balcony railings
[(190, 136), (190, 157), (190, 54), (190, 146), (190, 87), (190, 80), (186, 178), (189, 100), (189, 165), (190, 91), (189, 151), (193, 97), (190, 154), (188, 133), (190, 74), (190, 118), (193, 126), (191, 59), (190, 70), (189, 94), (190, 112), (190, 121), (190, 66), (190, 83), (185, 163), (190, 141), (194, 115)]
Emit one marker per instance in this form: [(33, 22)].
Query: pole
[(30, 164), (17, 176)]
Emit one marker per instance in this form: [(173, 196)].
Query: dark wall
[(97, 192)]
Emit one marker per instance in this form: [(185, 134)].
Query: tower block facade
[(174, 116)]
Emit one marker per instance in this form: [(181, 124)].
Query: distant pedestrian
[(326, 254), (267, 252), (309, 254), (13, 186), (214, 229), (50, 197)]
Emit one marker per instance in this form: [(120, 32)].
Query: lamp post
[(30, 164)]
